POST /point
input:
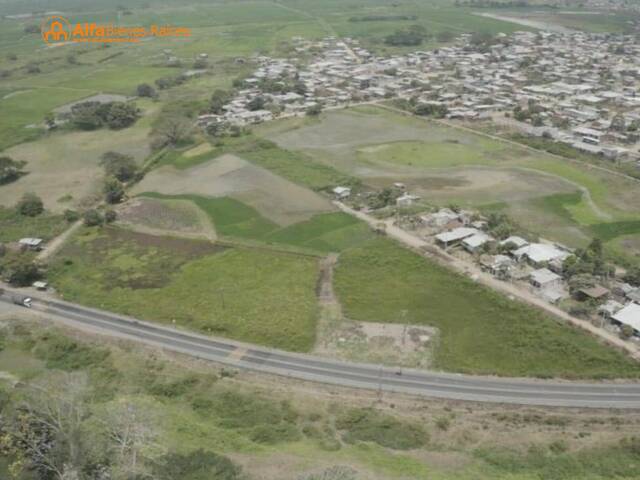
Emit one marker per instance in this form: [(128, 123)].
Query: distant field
[(255, 296), (66, 164), (482, 332), (277, 199), (565, 201)]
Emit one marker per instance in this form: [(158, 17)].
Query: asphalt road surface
[(334, 372)]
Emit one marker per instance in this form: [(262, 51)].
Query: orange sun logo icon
[(56, 29)]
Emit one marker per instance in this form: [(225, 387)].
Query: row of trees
[(94, 115)]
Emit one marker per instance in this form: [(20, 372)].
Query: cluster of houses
[(585, 96), (539, 264)]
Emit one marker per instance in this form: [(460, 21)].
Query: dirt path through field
[(330, 309)]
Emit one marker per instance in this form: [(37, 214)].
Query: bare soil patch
[(162, 217)]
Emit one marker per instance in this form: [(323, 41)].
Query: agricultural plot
[(255, 296), (565, 201), (165, 217), (234, 220), (278, 200), (481, 332)]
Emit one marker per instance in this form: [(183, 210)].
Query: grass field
[(13, 226), (194, 284), (481, 331), (327, 232), (564, 201)]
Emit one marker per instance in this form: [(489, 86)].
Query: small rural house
[(455, 236), (629, 315), (544, 278)]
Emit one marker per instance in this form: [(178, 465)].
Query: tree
[(32, 68), (113, 190), (118, 165), (121, 115), (30, 205), (172, 130), (256, 103), (93, 218), (48, 428), (314, 110), (146, 90), (110, 216), (219, 99), (32, 28), (633, 276), (71, 216), (19, 270), (10, 169), (131, 428), (626, 331)]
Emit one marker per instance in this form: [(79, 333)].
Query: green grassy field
[(481, 331), (329, 232), (194, 284), (13, 226), (566, 201)]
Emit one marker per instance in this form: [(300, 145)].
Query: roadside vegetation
[(481, 331), (110, 408)]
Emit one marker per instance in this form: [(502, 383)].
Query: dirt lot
[(277, 199), (165, 217)]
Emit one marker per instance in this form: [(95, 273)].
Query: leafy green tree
[(19, 270), (30, 205), (121, 115), (93, 218), (113, 190), (256, 103), (10, 169), (118, 165), (314, 110), (219, 99), (110, 216), (71, 216), (146, 90)]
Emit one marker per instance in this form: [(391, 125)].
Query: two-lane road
[(334, 372)]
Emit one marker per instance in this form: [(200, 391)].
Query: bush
[(198, 465), (66, 354), (71, 216), (272, 434), (146, 90), (368, 425), (30, 205), (118, 165), (93, 218)]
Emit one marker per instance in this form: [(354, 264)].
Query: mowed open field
[(251, 295), (568, 202)]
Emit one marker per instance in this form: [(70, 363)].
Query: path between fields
[(423, 248), (56, 244), (330, 309)]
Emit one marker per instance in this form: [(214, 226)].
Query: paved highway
[(334, 372)]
